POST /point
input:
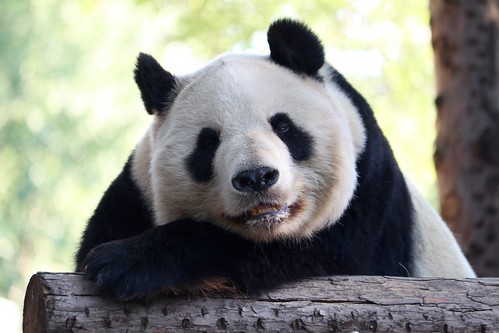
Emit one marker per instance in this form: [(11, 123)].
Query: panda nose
[(255, 180)]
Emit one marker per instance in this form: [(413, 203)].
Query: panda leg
[(182, 255), (198, 257)]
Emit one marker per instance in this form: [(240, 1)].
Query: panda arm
[(121, 213), (197, 256)]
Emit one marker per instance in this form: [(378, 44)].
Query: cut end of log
[(34, 312)]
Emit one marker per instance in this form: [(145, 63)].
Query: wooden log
[(67, 302)]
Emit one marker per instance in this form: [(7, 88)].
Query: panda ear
[(295, 46), (155, 84)]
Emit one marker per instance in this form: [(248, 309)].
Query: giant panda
[(256, 171)]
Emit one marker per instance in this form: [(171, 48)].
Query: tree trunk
[(66, 302), (465, 40)]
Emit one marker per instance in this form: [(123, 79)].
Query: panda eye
[(281, 128), (208, 139), (281, 124), (298, 141)]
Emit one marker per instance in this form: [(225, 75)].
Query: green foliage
[(70, 112)]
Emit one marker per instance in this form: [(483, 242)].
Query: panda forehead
[(240, 89), (247, 69)]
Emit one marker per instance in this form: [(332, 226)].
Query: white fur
[(436, 252), (237, 95)]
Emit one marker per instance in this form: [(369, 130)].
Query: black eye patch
[(200, 161), (299, 142)]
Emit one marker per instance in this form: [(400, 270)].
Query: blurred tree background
[(70, 113)]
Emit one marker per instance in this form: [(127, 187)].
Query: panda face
[(255, 148)]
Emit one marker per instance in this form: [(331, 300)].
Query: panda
[(257, 171)]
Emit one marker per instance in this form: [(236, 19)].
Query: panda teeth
[(265, 209)]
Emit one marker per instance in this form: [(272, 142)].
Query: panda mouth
[(266, 212), (267, 215)]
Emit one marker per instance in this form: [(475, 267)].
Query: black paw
[(124, 269), (179, 255)]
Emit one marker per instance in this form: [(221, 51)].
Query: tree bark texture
[(465, 38), (67, 302)]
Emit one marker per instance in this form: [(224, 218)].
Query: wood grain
[(67, 302)]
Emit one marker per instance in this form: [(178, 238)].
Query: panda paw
[(121, 269)]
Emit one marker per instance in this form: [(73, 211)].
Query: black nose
[(255, 180)]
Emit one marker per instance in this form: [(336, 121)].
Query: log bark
[(465, 39), (67, 302)]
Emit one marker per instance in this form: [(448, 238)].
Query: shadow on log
[(67, 302)]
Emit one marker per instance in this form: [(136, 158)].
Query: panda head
[(264, 146)]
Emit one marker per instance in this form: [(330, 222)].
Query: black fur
[(373, 237), (155, 84), (200, 161), (295, 46), (382, 207), (185, 252), (121, 213), (299, 143)]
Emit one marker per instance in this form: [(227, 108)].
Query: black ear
[(155, 84), (295, 46)]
